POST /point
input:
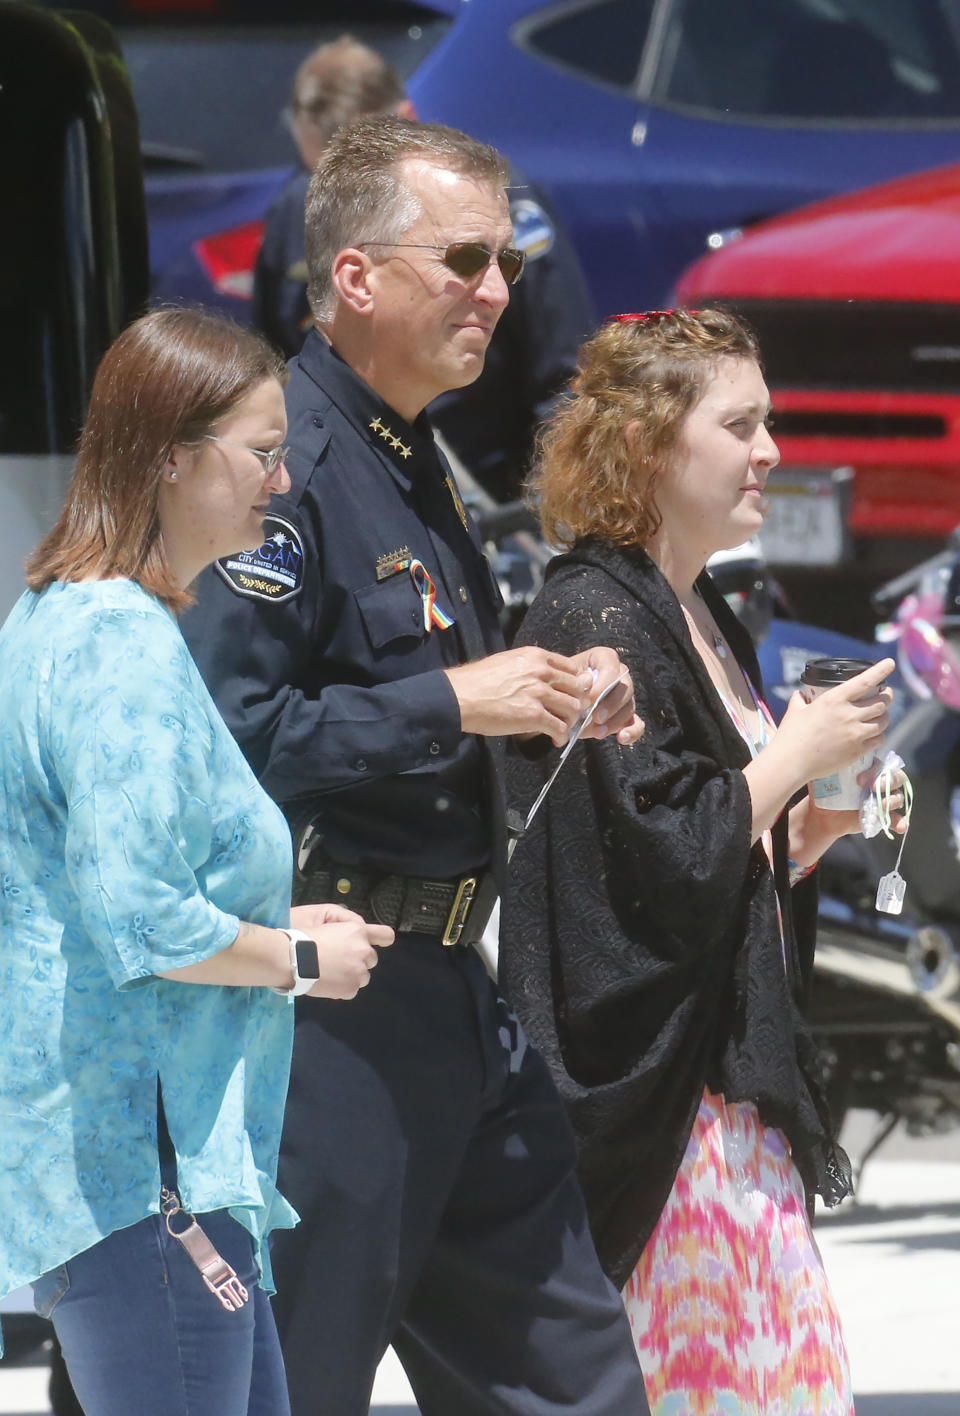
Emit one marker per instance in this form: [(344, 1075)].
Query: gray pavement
[(893, 1256)]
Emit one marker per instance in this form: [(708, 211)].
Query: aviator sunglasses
[(466, 258), (271, 459)]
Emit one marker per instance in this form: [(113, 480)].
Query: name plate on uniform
[(806, 519)]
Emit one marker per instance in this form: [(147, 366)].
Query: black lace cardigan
[(639, 938)]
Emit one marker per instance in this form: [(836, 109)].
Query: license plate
[(806, 519)]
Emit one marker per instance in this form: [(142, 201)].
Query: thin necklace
[(716, 638), (744, 706)]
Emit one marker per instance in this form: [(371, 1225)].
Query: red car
[(857, 304)]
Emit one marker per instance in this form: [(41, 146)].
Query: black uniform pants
[(431, 1162)]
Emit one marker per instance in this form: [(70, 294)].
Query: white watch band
[(300, 984)]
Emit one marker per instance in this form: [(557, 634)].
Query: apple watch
[(304, 961)]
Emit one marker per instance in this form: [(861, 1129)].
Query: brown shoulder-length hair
[(649, 370), (168, 379)]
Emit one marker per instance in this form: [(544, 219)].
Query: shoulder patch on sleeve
[(532, 228), (274, 571)]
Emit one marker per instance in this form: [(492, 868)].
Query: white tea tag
[(890, 892), (891, 888)]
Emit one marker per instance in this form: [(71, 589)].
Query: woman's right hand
[(346, 947), (840, 725)]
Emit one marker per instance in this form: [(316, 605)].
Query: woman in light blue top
[(146, 947)]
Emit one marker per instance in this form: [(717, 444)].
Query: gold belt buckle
[(457, 917)]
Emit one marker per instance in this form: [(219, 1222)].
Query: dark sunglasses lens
[(466, 259), (511, 265)]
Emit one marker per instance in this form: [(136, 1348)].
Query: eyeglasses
[(466, 258), (271, 459)]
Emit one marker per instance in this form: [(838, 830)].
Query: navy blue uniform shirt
[(280, 309), (532, 356), (314, 645)]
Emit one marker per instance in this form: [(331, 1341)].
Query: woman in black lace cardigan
[(658, 937)]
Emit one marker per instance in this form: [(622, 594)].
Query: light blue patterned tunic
[(133, 839)]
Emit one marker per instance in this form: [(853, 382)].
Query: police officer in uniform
[(356, 656), (489, 424)]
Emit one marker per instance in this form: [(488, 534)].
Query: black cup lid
[(825, 673)]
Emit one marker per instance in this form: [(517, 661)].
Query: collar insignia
[(381, 429)]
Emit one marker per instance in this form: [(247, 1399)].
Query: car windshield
[(842, 60)]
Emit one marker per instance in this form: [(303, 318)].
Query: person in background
[(150, 954), (489, 424), (658, 931), (336, 84), (424, 1144)]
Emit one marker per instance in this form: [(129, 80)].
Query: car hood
[(894, 241)]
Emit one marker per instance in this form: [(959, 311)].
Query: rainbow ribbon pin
[(432, 613)]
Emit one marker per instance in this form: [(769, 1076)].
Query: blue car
[(652, 123)]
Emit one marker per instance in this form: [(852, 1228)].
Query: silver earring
[(173, 476)]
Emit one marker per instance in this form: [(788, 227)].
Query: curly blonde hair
[(648, 370)]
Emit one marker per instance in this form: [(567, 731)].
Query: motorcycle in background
[(886, 995), (510, 532)]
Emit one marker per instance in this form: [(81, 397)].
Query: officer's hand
[(311, 917), (526, 690), (347, 951), (616, 713)]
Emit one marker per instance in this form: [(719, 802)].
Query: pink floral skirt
[(729, 1304)]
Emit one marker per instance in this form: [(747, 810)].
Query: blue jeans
[(140, 1330)]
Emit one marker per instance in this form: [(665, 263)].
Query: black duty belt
[(455, 911)]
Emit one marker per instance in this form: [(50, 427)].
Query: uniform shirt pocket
[(391, 610)]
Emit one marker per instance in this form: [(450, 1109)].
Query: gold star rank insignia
[(397, 444)]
